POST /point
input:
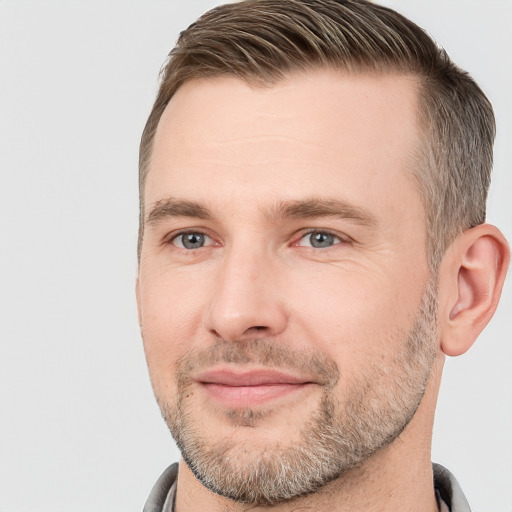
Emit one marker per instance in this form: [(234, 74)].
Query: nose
[(247, 300)]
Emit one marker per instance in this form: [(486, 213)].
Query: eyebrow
[(316, 208), (170, 207), (312, 208)]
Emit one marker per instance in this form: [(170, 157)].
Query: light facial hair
[(337, 437)]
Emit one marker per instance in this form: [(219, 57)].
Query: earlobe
[(471, 278)]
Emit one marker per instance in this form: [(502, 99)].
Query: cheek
[(353, 318), (170, 314)]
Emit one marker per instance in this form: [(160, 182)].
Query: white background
[(79, 429)]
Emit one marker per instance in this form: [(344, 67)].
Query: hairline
[(417, 167)]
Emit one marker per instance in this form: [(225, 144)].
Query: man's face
[(282, 292)]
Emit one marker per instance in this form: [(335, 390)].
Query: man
[(313, 178)]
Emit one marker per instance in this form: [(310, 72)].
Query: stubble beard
[(337, 438)]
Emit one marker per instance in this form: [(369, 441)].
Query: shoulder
[(161, 490), (449, 489)]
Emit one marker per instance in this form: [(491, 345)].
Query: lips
[(248, 388)]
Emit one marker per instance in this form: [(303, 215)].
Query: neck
[(407, 486)]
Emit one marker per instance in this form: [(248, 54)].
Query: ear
[(471, 277)]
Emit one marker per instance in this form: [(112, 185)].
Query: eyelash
[(343, 239), (170, 240)]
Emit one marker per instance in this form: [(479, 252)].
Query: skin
[(238, 152)]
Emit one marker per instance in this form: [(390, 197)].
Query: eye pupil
[(321, 240), (192, 240)]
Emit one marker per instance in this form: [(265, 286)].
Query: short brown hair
[(263, 41)]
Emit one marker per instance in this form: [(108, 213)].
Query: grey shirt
[(448, 492)]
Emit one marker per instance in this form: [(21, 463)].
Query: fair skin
[(240, 179)]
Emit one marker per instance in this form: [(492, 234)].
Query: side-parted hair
[(263, 41)]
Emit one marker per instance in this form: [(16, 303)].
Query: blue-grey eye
[(191, 240), (319, 240)]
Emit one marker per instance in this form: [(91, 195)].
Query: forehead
[(323, 133)]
